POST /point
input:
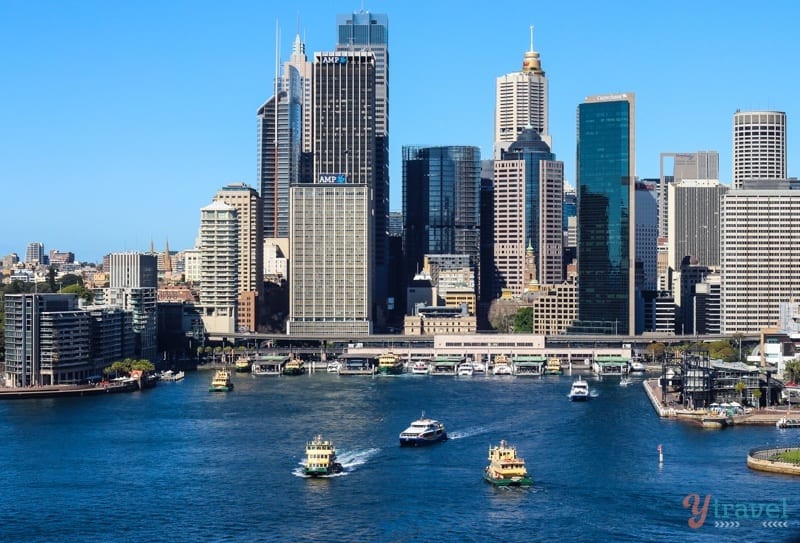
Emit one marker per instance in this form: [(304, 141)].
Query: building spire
[(531, 50), (531, 61)]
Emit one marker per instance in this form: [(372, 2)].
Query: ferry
[(579, 391), (294, 367), (423, 431), (553, 367), (321, 458), (505, 467), (390, 364), (243, 364), (221, 382), (501, 365)]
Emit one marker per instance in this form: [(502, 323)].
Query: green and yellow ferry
[(321, 458), (505, 467), (390, 364), (221, 382), (294, 367)]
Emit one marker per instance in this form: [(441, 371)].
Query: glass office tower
[(606, 222), (441, 203)]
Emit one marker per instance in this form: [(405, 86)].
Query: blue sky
[(120, 120)]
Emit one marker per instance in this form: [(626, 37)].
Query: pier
[(673, 409), (64, 391)]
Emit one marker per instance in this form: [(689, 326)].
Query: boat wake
[(350, 460), (469, 432), (594, 393)]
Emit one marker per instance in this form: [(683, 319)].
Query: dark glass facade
[(604, 216), (441, 203)]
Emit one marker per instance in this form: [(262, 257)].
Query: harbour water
[(177, 463)]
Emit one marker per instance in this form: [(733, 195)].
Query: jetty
[(672, 408), (65, 391)]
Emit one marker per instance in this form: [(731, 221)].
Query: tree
[(51, 277), (523, 320), (792, 371), (757, 397), (655, 350), (71, 279), (740, 387), (82, 292), (143, 365), (722, 350)]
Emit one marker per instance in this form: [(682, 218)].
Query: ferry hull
[(422, 441), (322, 472), (390, 370), (516, 481)]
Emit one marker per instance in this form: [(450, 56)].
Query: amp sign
[(333, 178), (332, 59)]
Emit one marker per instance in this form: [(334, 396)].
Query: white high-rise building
[(330, 260), (759, 146), (219, 277), (760, 252), (521, 101), (250, 258)]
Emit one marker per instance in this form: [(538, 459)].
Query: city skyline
[(122, 121)]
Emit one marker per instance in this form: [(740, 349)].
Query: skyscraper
[(330, 260), (698, 165), (528, 197), (284, 130), (219, 277), (759, 146), (250, 255), (694, 221), (606, 214), (760, 252), (369, 32), (441, 203), (521, 101)]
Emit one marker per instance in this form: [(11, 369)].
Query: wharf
[(673, 409), (62, 391)]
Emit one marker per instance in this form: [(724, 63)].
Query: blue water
[(178, 463)]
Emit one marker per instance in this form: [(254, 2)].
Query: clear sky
[(120, 120)]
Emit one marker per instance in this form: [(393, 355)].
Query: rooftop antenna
[(277, 72), (531, 38)]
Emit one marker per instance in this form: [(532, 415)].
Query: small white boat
[(624, 382), (478, 367), (419, 368), (637, 365), (466, 369), (333, 366), (785, 422), (579, 391), (170, 375)]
